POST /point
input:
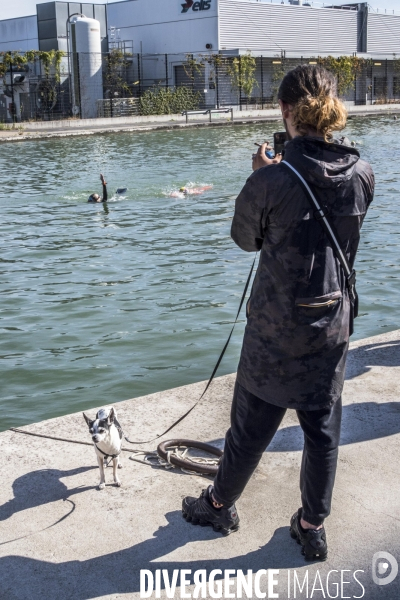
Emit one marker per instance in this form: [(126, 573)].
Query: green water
[(100, 303)]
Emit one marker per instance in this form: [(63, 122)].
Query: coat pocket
[(317, 311), (320, 301)]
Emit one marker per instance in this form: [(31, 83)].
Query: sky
[(21, 8)]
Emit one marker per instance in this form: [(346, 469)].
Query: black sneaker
[(200, 511), (313, 541)]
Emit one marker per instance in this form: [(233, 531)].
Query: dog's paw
[(119, 466), (118, 483), (102, 486)]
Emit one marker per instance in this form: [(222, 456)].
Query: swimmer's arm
[(104, 184), (200, 190)]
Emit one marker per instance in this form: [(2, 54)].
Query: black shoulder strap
[(321, 216)]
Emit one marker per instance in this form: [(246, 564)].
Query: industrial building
[(174, 26), (47, 29), (157, 36), (29, 94)]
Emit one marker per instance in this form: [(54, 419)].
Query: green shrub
[(169, 101)]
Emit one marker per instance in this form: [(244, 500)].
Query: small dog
[(106, 435)]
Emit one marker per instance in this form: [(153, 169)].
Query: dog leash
[(60, 439), (181, 418)]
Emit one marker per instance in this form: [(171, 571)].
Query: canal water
[(101, 303)]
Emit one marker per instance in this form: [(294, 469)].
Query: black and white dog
[(106, 435)]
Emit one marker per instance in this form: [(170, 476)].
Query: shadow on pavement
[(40, 487), (383, 354), (119, 572), (361, 422)]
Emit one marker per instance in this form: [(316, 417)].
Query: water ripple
[(100, 303)]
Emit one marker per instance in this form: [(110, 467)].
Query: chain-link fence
[(121, 83)]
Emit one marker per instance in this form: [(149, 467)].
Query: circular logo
[(384, 568)]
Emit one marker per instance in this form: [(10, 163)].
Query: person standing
[(299, 312)]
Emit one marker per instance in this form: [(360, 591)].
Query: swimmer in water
[(187, 191), (96, 197)]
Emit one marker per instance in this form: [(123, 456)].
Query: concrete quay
[(78, 127), (63, 539)]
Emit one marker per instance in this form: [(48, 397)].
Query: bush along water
[(169, 101)]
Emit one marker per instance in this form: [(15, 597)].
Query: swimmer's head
[(183, 190), (94, 198)]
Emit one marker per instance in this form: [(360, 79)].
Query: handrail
[(208, 111)]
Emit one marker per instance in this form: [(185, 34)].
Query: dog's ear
[(111, 416), (86, 419)]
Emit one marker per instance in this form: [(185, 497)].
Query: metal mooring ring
[(162, 451)]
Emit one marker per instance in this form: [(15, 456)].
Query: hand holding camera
[(266, 155)]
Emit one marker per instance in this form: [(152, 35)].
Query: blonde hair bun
[(324, 114), (311, 91)]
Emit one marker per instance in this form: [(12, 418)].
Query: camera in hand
[(280, 138)]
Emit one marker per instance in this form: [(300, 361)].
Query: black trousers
[(254, 423)]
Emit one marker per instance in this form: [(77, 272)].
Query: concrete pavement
[(62, 538)]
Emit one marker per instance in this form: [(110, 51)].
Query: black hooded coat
[(297, 333)]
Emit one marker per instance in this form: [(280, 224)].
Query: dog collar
[(107, 455)]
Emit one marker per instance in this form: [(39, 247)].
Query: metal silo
[(87, 78)]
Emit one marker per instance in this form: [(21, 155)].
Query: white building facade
[(158, 37), (163, 33), (191, 26), (175, 26)]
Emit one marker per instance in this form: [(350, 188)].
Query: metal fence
[(118, 107), (121, 83)]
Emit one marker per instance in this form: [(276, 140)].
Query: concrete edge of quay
[(63, 538), (78, 127)]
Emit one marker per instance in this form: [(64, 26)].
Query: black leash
[(60, 439), (213, 373)]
